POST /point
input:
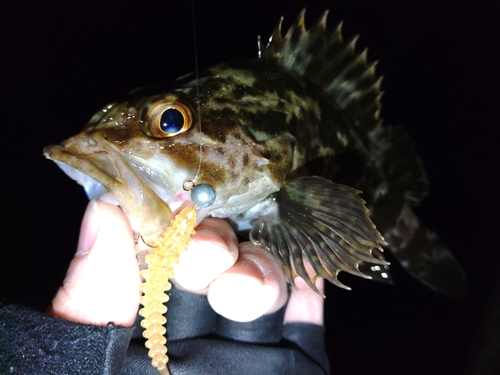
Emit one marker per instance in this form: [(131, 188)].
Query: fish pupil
[(171, 121)]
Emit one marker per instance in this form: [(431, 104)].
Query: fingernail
[(88, 230), (241, 297), (252, 268), (109, 198)]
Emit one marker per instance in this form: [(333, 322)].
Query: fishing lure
[(161, 261)]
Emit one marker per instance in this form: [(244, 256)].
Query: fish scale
[(287, 141)]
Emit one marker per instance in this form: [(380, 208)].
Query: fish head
[(149, 150)]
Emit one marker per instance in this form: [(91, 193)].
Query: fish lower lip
[(106, 174), (93, 188)]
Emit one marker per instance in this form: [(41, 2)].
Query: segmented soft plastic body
[(161, 262)]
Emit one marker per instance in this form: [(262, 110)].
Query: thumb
[(305, 305), (102, 283)]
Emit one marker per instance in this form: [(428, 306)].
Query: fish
[(288, 147)]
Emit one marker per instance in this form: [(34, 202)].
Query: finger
[(305, 305), (211, 251), (102, 283), (255, 285)]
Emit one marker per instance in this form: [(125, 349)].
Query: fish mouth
[(100, 167)]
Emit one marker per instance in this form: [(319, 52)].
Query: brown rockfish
[(281, 146)]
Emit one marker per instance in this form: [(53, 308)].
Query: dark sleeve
[(35, 343)]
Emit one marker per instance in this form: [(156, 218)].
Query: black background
[(61, 61)]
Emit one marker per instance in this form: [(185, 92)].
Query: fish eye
[(170, 119)]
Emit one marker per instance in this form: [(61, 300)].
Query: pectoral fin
[(313, 221)]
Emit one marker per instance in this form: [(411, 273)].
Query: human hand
[(242, 281)]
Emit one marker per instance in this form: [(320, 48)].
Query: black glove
[(202, 342), (199, 342), (39, 344)]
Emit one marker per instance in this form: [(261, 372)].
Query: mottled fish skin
[(282, 114), (256, 131), (254, 126)]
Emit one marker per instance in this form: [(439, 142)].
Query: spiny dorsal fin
[(324, 58)]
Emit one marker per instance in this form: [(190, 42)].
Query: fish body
[(287, 141)]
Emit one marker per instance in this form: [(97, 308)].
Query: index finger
[(212, 250)]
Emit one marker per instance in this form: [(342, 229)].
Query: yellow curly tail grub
[(172, 242)]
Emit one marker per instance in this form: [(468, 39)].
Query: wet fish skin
[(308, 106)]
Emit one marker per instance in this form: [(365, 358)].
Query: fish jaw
[(146, 175), (98, 166)]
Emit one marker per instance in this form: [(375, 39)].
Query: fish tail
[(404, 184), (425, 256)]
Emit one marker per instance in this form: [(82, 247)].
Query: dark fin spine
[(277, 247), (297, 29), (327, 257), (313, 221), (319, 26)]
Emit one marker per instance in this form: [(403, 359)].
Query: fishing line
[(196, 70), (202, 195)]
